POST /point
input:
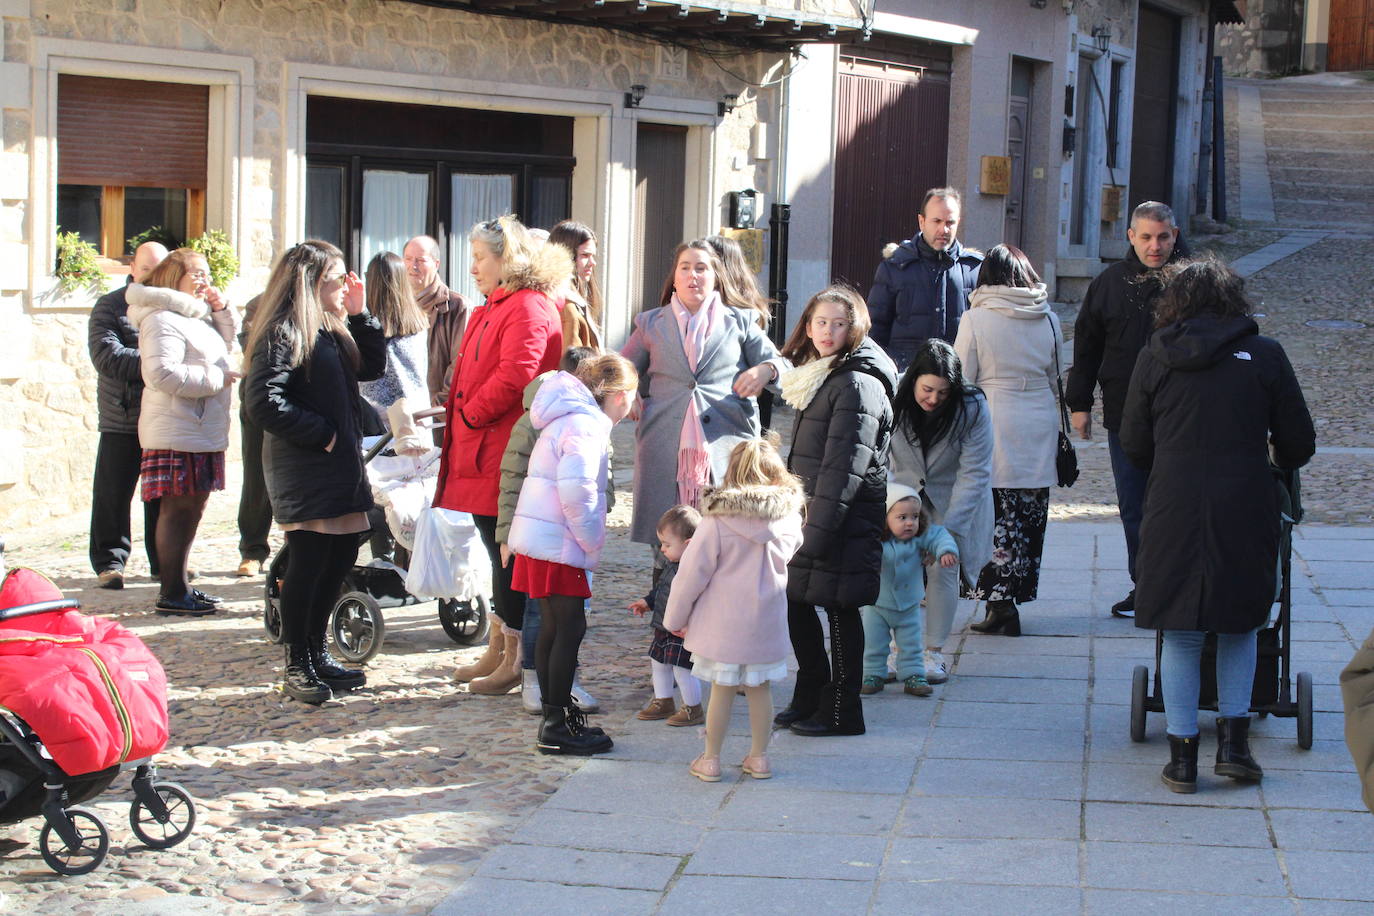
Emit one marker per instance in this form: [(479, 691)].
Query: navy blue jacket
[(919, 293)]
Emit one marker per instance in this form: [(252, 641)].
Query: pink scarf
[(693, 461)]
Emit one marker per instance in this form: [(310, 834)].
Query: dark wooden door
[(1018, 130), (1153, 124), (660, 170), (1350, 35), (890, 147)]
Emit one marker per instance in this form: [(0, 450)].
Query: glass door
[(476, 198), (395, 209)]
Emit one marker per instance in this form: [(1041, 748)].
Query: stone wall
[(1269, 43), (47, 411)]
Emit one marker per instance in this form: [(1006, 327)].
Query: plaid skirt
[(169, 473), (668, 649)]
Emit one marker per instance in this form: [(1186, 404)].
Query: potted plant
[(77, 267)]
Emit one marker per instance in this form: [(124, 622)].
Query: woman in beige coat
[(185, 328), (1009, 342)]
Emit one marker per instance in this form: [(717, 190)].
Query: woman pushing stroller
[(311, 344)]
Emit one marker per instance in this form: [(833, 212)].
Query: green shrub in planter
[(219, 254), (77, 267)]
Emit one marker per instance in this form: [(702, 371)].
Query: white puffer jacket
[(184, 349), (561, 515)]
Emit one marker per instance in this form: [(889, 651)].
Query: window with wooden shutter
[(131, 157)]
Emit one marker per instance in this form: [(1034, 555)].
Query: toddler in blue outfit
[(909, 542)]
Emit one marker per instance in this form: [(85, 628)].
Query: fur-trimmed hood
[(146, 300), (549, 268), (767, 504)]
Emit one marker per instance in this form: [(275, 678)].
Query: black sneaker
[(189, 606), (208, 599), (1125, 607)]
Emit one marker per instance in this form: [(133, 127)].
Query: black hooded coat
[(1210, 404)]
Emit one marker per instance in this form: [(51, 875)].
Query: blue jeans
[(1180, 677), (1130, 496), (883, 625), (529, 633)]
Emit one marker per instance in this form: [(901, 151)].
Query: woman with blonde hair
[(185, 329), (312, 342), (559, 530), (511, 339)]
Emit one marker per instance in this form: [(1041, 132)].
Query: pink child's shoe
[(757, 767), (707, 769)]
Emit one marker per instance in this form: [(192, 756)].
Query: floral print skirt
[(1018, 538)]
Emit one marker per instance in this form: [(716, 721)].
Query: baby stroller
[(1274, 684), (402, 486), (81, 700)]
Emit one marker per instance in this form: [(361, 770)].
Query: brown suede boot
[(658, 708), (489, 660), (506, 677), (687, 715)]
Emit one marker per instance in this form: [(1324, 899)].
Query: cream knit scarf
[(800, 385)]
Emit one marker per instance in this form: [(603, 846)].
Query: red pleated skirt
[(542, 578)]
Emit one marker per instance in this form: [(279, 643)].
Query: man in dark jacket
[(1114, 321), (921, 289), (113, 343), (446, 310)]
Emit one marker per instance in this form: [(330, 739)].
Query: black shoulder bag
[(1065, 458)]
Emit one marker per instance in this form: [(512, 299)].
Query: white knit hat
[(896, 492)]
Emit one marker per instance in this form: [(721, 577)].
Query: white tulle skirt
[(732, 675)]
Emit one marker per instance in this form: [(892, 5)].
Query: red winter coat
[(514, 337), (88, 687)]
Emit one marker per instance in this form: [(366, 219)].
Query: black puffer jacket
[(301, 409), (1208, 399), (919, 293), (839, 450), (1114, 321), (113, 342)]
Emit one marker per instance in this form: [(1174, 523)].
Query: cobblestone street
[(412, 789)]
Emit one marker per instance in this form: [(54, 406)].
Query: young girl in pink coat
[(750, 528)]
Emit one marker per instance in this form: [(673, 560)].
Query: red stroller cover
[(87, 686)]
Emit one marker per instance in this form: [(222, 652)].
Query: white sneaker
[(530, 698), (582, 699), (937, 672)]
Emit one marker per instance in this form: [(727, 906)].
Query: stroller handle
[(39, 607)]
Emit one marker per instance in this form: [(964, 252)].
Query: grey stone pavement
[(1015, 788)]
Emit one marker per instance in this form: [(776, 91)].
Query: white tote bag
[(449, 559)]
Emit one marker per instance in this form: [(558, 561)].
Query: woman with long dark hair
[(1009, 342), (842, 388), (312, 342), (942, 447), (581, 314), (392, 302), (1210, 405)]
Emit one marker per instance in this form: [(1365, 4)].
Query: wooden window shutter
[(134, 133)]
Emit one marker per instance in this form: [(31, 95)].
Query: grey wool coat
[(955, 480), (667, 384)]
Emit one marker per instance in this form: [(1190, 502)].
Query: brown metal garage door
[(891, 144)]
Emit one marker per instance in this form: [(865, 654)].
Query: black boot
[(563, 731), (1002, 618), (1180, 775), (840, 712), (300, 681), (803, 705), (328, 668), (1233, 750)]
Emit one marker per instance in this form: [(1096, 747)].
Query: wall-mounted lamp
[(634, 96), (727, 104), (1102, 37)]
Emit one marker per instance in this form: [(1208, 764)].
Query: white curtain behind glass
[(476, 198), (394, 208)]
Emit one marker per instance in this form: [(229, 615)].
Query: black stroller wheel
[(1305, 710), (358, 626), (93, 842), (271, 598), (465, 622), (175, 823), (1140, 688)]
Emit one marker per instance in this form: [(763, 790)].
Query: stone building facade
[(265, 65)]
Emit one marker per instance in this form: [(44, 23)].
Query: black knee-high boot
[(840, 710)]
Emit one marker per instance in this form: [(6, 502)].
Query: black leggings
[(510, 604), (843, 667), (315, 572), (562, 624)]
